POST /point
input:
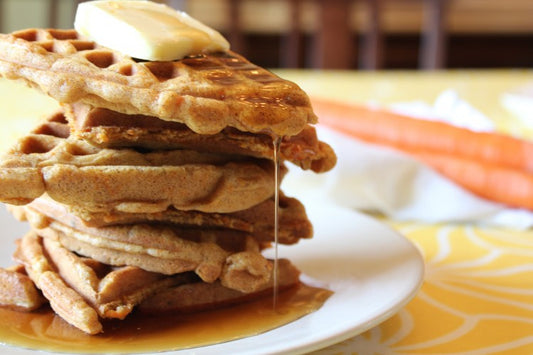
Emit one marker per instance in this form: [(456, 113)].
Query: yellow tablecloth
[(477, 296)]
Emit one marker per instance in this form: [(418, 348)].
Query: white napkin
[(378, 179)]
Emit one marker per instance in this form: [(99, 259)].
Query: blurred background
[(343, 34)]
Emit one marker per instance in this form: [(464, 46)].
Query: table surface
[(477, 295)]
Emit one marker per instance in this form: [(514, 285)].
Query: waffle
[(74, 172), (257, 221), (17, 291), (110, 129), (66, 302), (231, 256), (207, 92), (84, 291), (112, 292), (201, 296)]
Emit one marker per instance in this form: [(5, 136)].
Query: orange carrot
[(491, 165), (404, 132), (500, 184)]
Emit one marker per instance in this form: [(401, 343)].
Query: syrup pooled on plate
[(138, 333)]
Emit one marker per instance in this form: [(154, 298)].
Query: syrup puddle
[(43, 330)]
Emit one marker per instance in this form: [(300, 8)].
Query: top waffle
[(207, 92)]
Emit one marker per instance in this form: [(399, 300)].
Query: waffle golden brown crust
[(110, 129), (201, 296), (208, 92), (66, 302), (84, 291), (74, 172), (232, 256), (258, 221), (17, 291), (112, 292)]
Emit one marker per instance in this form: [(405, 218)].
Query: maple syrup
[(277, 145), (139, 333)]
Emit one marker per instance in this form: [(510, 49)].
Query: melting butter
[(146, 30)]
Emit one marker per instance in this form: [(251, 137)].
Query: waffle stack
[(153, 187)]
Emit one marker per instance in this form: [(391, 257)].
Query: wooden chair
[(291, 40), (433, 36), (333, 44), (432, 52)]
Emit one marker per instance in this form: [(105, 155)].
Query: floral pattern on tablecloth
[(477, 296)]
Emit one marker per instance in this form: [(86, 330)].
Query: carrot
[(500, 184), (404, 132), (491, 165)]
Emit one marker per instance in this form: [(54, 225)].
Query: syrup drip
[(277, 144)]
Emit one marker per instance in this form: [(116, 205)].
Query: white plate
[(372, 270)]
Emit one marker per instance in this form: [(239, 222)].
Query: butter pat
[(146, 30)]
